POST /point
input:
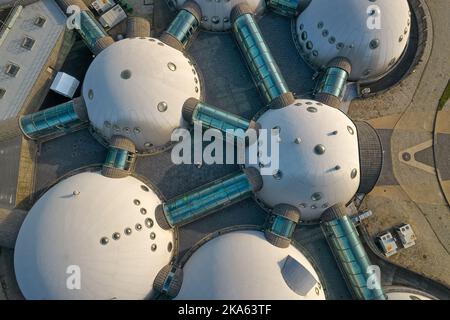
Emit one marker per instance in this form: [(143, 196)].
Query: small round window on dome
[(312, 109), (90, 94), (278, 175), (319, 149), (350, 130), (148, 144), (153, 247), (143, 211), (340, 46), (104, 241), (137, 130), (276, 129), (145, 188), (320, 25), (315, 53), (149, 223), (332, 40), (215, 19), (316, 196), (162, 106), (304, 35), (136, 202), (170, 247), (171, 66), (152, 235), (138, 226), (128, 231), (354, 173), (400, 39), (302, 26), (125, 74), (375, 43), (116, 236), (325, 33), (309, 45)]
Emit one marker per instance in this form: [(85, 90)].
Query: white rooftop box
[(65, 84), (101, 6), (113, 17)]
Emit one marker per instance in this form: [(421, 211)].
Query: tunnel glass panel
[(183, 26), (211, 117), (333, 82), (59, 118), (118, 158), (347, 247), (288, 8), (283, 227), (90, 30), (199, 202), (259, 59)]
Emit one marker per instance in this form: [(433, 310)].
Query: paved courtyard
[(412, 188)]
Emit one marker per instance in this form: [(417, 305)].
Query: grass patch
[(444, 97)]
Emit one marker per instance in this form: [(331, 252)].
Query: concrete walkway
[(406, 115)]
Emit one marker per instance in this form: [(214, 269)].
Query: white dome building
[(318, 158), (136, 88), (372, 35), (404, 293), (216, 13), (97, 228), (243, 265)]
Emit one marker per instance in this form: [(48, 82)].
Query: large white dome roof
[(103, 226), (216, 14), (318, 158), (243, 265), (329, 29), (136, 88)]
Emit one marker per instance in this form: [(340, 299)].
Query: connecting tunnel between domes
[(210, 117), (92, 33), (183, 27), (259, 59), (120, 158), (350, 254), (331, 87), (65, 117), (208, 199)]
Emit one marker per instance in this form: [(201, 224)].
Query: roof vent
[(297, 277)]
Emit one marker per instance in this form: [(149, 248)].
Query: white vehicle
[(387, 244), (406, 235)]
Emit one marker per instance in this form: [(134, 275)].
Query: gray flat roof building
[(26, 44)]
